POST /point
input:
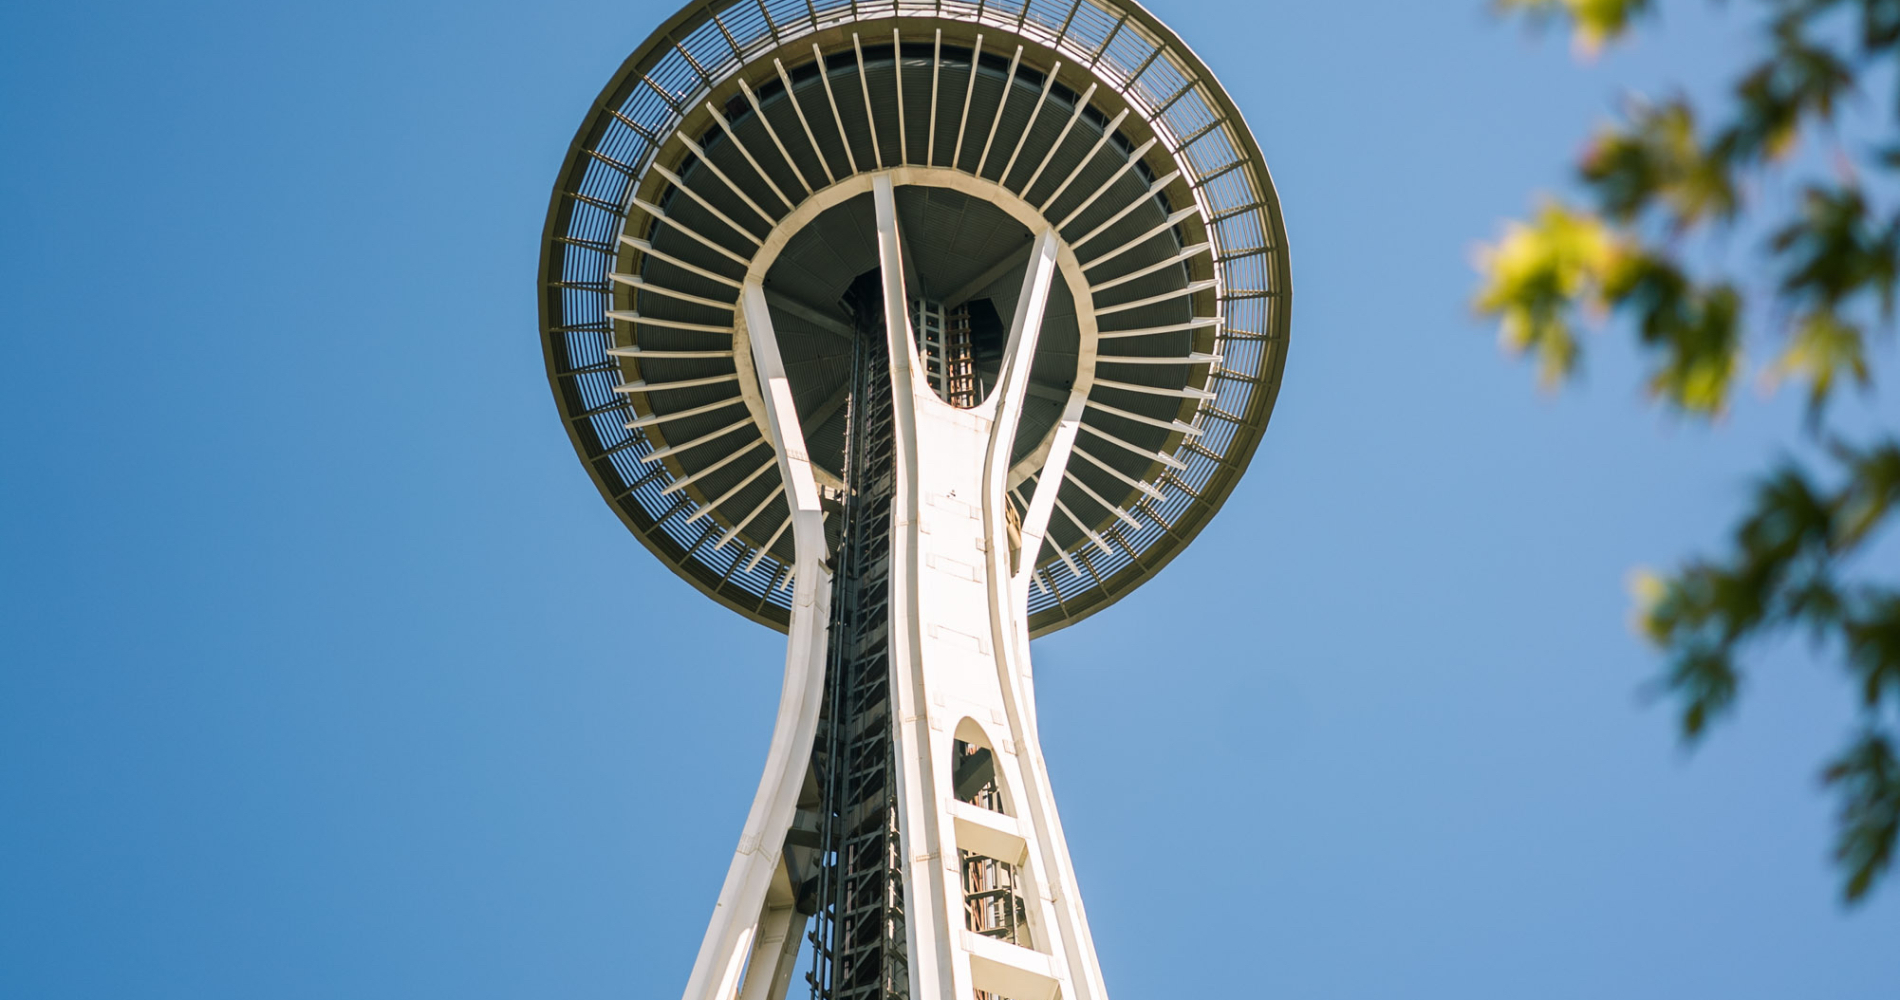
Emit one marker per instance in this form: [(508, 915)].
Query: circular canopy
[(741, 136)]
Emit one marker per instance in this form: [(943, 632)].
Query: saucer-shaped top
[(744, 131)]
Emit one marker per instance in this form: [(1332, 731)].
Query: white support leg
[(959, 628), (774, 953), (960, 670), (739, 918)]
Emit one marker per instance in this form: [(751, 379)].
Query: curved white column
[(959, 643), (751, 932), (959, 651)]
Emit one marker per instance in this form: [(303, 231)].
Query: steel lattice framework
[(736, 116), (913, 330)]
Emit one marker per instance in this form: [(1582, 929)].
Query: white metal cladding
[(1123, 48)]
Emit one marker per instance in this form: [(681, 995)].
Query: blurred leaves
[(1656, 159), (1546, 276), (1668, 186), (1691, 329), (1786, 573), (1537, 275), (1800, 81), (1596, 21), (1869, 781), (1822, 346)]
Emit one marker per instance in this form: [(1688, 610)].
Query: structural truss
[(737, 125), (913, 330)]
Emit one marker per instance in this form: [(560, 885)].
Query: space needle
[(913, 330)]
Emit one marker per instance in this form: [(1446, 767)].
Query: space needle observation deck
[(913, 330)]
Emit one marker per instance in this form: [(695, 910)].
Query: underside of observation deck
[(914, 329), (734, 116)]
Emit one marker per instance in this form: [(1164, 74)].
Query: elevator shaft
[(858, 938)]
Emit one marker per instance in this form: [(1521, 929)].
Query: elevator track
[(857, 938)]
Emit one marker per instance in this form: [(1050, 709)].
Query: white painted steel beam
[(660, 418), (719, 501), (1042, 100), (1148, 331), (774, 953), (1090, 533), (1081, 105), (647, 248), (890, 259), (629, 316), (642, 385), (1087, 158), (706, 161), (759, 111), (658, 454), (936, 70), (1102, 188), (1153, 189), (897, 71), (641, 352), (1123, 476), (733, 532), (1031, 539), (870, 119), (684, 481), (642, 284), (1172, 425), (824, 77), (1189, 289), (1186, 253), (963, 120), (1002, 104), (1111, 506), (1160, 456), (674, 179), (1169, 223), (790, 95), (757, 557), (744, 914), (1192, 358), (659, 213), (1185, 392), (726, 127)]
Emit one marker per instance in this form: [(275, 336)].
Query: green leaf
[(1872, 492), (1595, 22), (1536, 277), (1868, 779), (1665, 175), (1835, 251), (1695, 329), (1823, 347), (1872, 640), (1655, 158), (1799, 81)]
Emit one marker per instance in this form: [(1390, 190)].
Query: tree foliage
[(1663, 185)]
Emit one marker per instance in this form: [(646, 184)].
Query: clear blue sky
[(325, 673)]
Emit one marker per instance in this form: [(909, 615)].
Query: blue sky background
[(324, 671)]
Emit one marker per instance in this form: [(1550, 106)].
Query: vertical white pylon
[(959, 642), (755, 929), (960, 668)]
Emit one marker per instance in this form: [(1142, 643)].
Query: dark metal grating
[(697, 55)]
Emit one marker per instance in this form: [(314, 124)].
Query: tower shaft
[(919, 836), (903, 841), (858, 944)]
